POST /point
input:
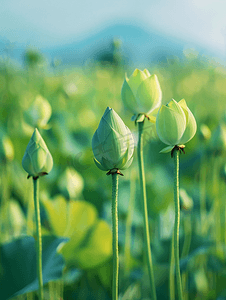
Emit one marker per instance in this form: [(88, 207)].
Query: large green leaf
[(56, 210), (18, 265), (93, 251), (90, 241), (76, 217), (81, 216)]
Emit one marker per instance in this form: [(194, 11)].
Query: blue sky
[(45, 23)]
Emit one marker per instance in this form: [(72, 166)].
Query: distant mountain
[(139, 45)]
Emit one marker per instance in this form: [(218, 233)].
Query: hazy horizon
[(43, 24)]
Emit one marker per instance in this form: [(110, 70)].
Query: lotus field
[(113, 181)]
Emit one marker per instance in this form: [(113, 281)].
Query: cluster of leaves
[(75, 198)]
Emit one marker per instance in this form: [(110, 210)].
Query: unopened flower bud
[(112, 143), (175, 124), (141, 93), (37, 160)]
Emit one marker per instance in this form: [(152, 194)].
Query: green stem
[(38, 236), (171, 273), (6, 229), (177, 222), (127, 250), (145, 210), (115, 235), (203, 211), (51, 286)]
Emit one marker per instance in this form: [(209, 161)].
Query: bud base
[(178, 147), (114, 171)]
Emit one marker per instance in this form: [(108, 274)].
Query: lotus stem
[(127, 250), (145, 210), (171, 271), (176, 154), (38, 236), (115, 236)]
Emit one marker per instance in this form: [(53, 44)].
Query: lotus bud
[(175, 124), (171, 123), (37, 160), (112, 143), (141, 93), (39, 113)]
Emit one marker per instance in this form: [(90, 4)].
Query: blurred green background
[(66, 105)]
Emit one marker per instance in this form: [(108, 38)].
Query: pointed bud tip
[(135, 72), (147, 72), (36, 135), (107, 110), (169, 104)]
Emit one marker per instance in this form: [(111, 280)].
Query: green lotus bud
[(39, 113), (112, 143), (37, 160), (170, 123), (141, 93), (175, 124)]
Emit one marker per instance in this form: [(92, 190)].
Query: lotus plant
[(113, 148), (142, 95), (176, 125), (37, 161)]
